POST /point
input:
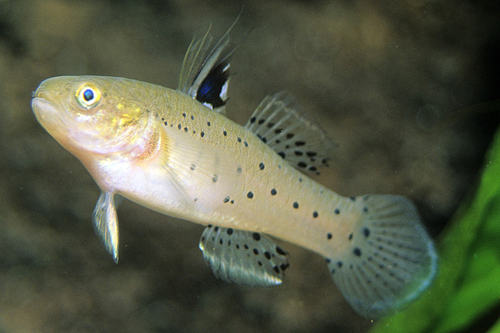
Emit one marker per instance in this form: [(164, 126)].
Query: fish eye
[(88, 96)]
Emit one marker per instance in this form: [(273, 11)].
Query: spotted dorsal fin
[(298, 140), (243, 257), (205, 70)]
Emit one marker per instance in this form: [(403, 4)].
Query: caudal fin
[(390, 261)]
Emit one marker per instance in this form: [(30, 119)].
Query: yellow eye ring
[(88, 96)]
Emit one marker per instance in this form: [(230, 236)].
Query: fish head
[(100, 115)]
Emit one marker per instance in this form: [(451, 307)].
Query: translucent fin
[(298, 140), (390, 261), (106, 223), (243, 257), (205, 70)]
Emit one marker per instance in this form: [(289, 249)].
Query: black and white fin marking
[(298, 140), (106, 222), (243, 257), (390, 260), (205, 70)]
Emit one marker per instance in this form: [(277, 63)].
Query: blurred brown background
[(386, 80)]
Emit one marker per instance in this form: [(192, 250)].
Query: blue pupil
[(88, 95)]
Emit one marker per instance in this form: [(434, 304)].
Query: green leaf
[(468, 282)]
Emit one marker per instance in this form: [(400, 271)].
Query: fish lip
[(45, 111)]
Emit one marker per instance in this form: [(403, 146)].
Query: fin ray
[(391, 260), (297, 139), (205, 69), (106, 223), (243, 257)]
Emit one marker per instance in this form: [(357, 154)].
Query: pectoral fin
[(243, 257), (106, 222)]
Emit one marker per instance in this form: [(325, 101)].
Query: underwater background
[(406, 88)]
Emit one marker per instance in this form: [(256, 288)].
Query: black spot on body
[(365, 209), (184, 115), (179, 126), (245, 143), (208, 123), (350, 236), (229, 231), (225, 133), (166, 123), (296, 205), (239, 139), (261, 121), (290, 135), (215, 178), (339, 264), (185, 129), (315, 214), (366, 232), (329, 235), (250, 195), (192, 117), (282, 154), (256, 236), (261, 166), (276, 269), (239, 170), (273, 191), (300, 143), (337, 211), (252, 120), (302, 164), (357, 252), (298, 153), (255, 251), (267, 255), (202, 134)]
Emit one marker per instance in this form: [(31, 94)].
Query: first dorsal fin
[(205, 70), (243, 257), (298, 140)]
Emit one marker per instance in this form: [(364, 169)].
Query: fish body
[(175, 152)]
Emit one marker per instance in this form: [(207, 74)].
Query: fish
[(174, 151)]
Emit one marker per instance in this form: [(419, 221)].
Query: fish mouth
[(46, 112)]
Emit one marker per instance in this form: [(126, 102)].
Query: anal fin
[(243, 257)]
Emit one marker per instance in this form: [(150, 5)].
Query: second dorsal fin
[(298, 140), (205, 70)]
